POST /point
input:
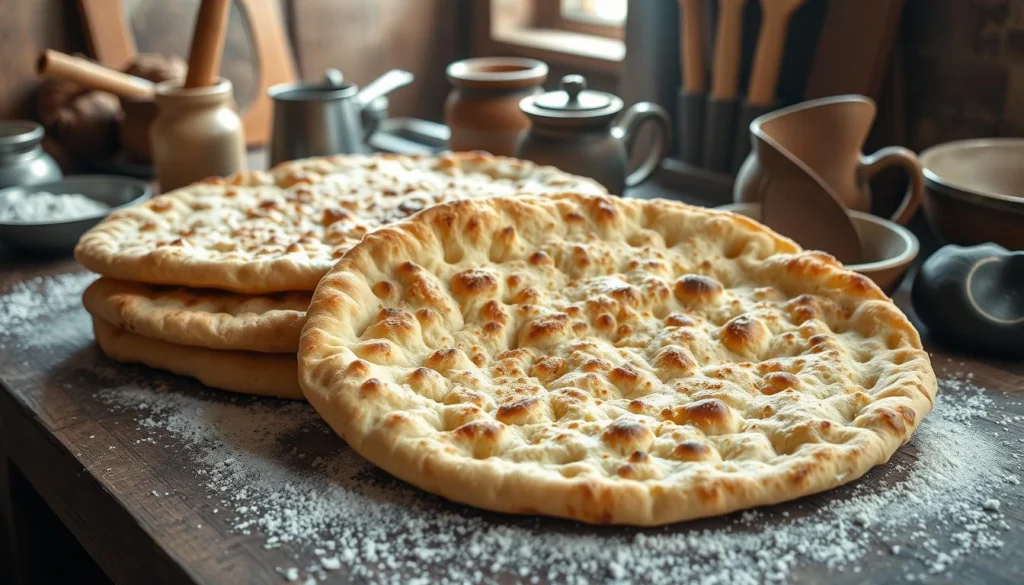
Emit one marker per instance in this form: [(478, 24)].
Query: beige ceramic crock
[(196, 134)]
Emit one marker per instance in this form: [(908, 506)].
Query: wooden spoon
[(764, 77), (691, 50), (725, 79)]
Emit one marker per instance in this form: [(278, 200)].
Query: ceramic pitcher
[(826, 136)]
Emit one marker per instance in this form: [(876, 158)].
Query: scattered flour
[(38, 299), (936, 510), (270, 473)]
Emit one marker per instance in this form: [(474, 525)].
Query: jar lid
[(18, 134), (572, 101)]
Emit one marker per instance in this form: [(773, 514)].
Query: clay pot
[(888, 249), (976, 191), (826, 135), (482, 110)]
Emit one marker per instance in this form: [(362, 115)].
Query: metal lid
[(572, 101), (19, 134)]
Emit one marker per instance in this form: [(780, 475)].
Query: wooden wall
[(362, 38), (964, 71), (27, 27)]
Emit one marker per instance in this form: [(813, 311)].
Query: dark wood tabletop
[(120, 462)]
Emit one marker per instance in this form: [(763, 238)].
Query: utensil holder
[(689, 124), (741, 145), (718, 132)]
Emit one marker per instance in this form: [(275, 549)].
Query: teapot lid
[(572, 101)]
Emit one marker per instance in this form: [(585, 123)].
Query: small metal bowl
[(60, 237)]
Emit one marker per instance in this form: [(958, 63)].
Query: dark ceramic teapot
[(580, 131), (973, 298)]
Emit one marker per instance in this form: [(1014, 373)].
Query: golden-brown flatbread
[(260, 232), (236, 371), (207, 318), (609, 360)]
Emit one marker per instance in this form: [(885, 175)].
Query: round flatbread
[(236, 371), (207, 318), (258, 232), (609, 360)]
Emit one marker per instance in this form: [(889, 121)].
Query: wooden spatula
[(764, 77)]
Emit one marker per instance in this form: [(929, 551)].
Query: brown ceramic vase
[(482, 110)]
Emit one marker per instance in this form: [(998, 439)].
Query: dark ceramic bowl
[(975, 191), (61, 237)]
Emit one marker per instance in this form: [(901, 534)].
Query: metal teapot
[(580, 132), (328, 117)]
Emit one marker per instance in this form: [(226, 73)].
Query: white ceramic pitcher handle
[(907, 160)]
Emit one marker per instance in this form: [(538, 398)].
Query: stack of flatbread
[(571, 354), (212, 281)]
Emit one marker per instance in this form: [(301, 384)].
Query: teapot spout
[(383, 85)]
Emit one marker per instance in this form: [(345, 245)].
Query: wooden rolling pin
[(207, 43), (62, 66)]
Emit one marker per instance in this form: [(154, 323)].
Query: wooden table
[(79, 468)]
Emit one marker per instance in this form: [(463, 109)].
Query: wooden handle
[(62, 66), (728, 41), (764, 77), (207, 43), (691, 51)]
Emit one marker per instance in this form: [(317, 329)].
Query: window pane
[(595, 11)]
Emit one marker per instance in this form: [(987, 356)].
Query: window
[(583, 34), (601, 12)]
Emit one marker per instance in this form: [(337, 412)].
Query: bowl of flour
[(51, 217)]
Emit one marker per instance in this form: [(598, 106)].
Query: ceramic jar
[(22, 160), (196, 134), (482, 110)]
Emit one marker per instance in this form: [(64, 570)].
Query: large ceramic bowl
[(976, 191), (888, 248), (60, 237)]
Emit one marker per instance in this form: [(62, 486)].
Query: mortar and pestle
[(197, 133)]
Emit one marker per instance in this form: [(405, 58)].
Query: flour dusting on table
[(270, 473), (345, 513)]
